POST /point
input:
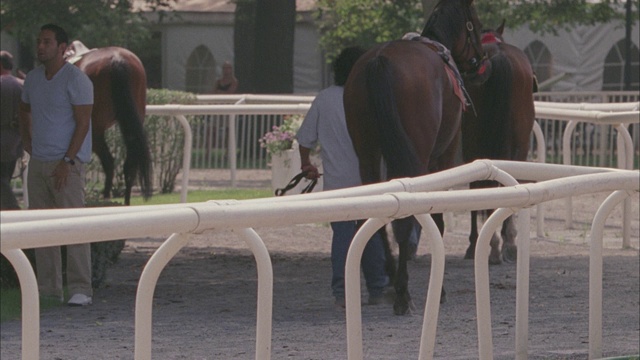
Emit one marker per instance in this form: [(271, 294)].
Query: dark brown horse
[(403, 104), (120, 90), (501, 126)]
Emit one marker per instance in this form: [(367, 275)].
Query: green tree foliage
[(365, 22), (550, 16), (344, 23), (97, 23)]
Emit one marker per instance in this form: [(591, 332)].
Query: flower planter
[(286, 165)]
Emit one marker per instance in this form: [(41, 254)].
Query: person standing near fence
[(55, 119), (227, 84), (325, 124), (10, 142)]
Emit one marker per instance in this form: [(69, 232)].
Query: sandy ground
[(205, 301)]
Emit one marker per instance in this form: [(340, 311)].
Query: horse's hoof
[(403, 305), (510, 254)]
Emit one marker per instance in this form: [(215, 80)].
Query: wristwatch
[(68, 160)]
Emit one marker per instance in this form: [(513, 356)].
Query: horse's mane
[(444, 23)]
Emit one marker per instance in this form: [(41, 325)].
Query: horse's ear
[(500, 28)]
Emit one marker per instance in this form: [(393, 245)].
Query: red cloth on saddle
[(457, 89)]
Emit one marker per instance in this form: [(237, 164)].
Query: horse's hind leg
[(401, 230), (390, 263), (129, 169), (495, 257), (509, 233), (101, 149)]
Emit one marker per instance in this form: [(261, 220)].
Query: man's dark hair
[(61, 35), (7, 60), (344, 62)]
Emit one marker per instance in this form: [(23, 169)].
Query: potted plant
[(282, 148)]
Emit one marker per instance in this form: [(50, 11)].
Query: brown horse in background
[(120, 91), (403, 104), (501, 126)]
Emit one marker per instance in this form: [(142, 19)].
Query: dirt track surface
[(205, 301)]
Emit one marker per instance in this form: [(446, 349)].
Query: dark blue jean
[(373, 259)]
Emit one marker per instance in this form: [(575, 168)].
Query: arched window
[(613, 75), (201, 71), (540, 59)]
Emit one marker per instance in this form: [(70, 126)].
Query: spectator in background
[(10, 141), (227, 84), (55, 121), (325, 123)]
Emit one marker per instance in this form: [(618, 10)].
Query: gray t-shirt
[(52, 103), (325, 123)]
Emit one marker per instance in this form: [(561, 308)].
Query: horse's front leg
[(101, 149), (401, 231), (495, 257), (509, 233)]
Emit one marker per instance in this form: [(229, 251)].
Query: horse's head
[(491, 36), (455, 24)]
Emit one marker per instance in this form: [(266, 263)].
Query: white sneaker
[(79, 300)]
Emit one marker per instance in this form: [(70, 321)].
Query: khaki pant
[(42, 195)]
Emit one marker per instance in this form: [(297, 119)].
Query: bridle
[(477, 64)]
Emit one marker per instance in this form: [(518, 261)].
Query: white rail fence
[(618, 116), (259, 118), (380, 203), (591, 144)]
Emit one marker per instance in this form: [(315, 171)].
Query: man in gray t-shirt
[(325, 124), (55, 120)]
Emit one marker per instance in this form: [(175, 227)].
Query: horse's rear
[(400, 107), (120, 88), (501, 126)]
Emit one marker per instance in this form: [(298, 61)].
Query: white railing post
[(625, 161), (522, 284), (186, 156), (566, 159), (542, 158), (232, 146), (595, 272), (30, 303)]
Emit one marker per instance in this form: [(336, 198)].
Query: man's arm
[(305, 163), (82, 116)]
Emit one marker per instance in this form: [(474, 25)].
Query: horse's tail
[(138, 159), (399, 155), (497, 97)]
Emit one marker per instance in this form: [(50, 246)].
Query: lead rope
[(294, 182)]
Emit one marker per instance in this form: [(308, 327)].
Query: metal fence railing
[(591, 144)]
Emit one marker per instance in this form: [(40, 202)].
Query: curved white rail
[(628, 106), (258, 98), (595, 271), (59, 227)]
